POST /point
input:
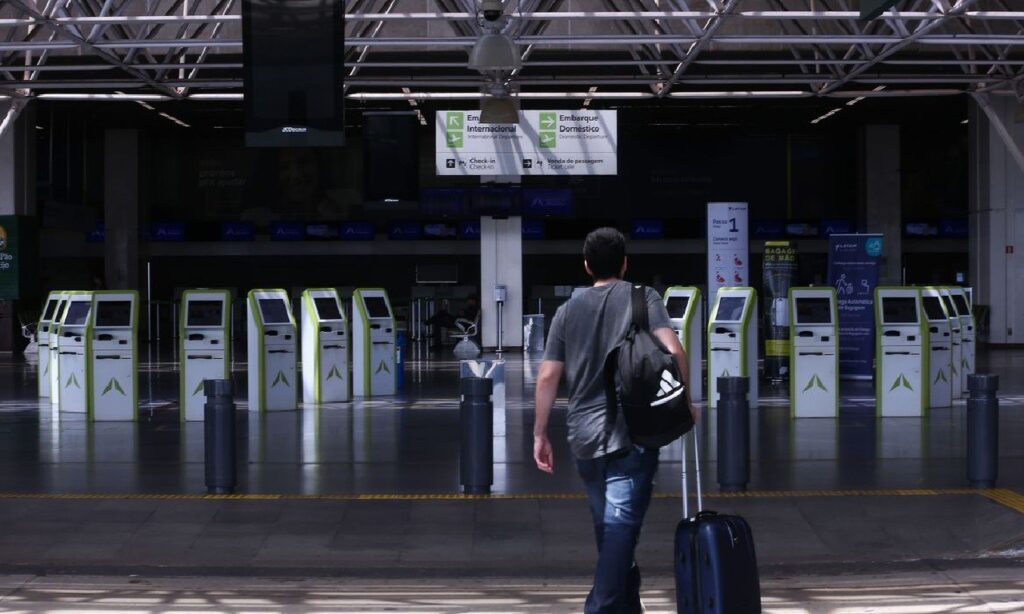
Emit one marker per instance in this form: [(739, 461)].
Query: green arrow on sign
[(548, 121)]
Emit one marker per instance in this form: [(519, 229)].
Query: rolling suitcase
[(715, 563)]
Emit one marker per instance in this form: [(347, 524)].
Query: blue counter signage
[(768, 229), (167, 231), (547, 201), (321, 231), (97, 235), (287, 231), (836, 227), (853, 262), (470, 230), (404, 231), (533, 230), (954, 228), (647, 229), (357, 231), (237, 231)]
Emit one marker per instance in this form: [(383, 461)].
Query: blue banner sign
[(287, 231), (647, 229), (470, 230), (853, 261), (547, 201), (533, 230), (768, 229), (96, 235), (357, 231), (404, 231), (836, 227), (237, 231), (167, 231), (954, 228)]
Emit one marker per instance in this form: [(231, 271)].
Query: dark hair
[(605, 252)]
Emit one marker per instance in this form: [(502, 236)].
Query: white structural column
[(121, 208), (17, 160), (995, 139), (501, 263), (880, 191)]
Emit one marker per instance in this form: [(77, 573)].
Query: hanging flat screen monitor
[(327, 308), (376, 307), (933, 308), (51, 308), (78, 313), (116, 314), (676, 306), (274, 310), (961, 304), (205, 313), (813, 311), (899, 310), (730, 308)]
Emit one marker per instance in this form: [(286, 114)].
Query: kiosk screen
[(113, 313), (933, 308), (78, 313), (51, 306), (950, 309), (676, 306), (327, 307), (730, 308), (376, 307), (813, 311), (899, 310), (205, 313), (961, 304), (274, 310)]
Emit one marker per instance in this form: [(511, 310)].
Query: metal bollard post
[(982, 430), (219, 431), (476, 420), (733, 434)]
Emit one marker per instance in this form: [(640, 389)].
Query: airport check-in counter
[(814, 353), (686, 313), (957, 357), (940, 349), (54, 338), (373, 343), (732, 340), (73, 353), (273, 352), (46, 320), (967, 333), (901, 359), (204, 346), (325, 362), (113, 355)]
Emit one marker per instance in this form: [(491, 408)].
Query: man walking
[(617, 474)]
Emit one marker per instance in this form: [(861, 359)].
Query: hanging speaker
[(294, 72)]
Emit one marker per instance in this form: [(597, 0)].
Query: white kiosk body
[(813, 353), (967, 334), (204, 346), (957, 357), (46, 320), (325, 365), (273, 352), (73, 353), (686, 313), (113, 355), (373, 343), (940, 349), (732, 340), (901, 361), (54, 342)]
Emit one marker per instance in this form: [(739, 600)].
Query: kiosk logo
[(454, 125), (547, 136), (901, 381), (113, 385), (199, 388), (72, 380), (383, 367), (334, 372), (814, 382), (280, 378), (940, 376)]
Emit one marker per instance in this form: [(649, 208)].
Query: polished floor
[(409, 443)]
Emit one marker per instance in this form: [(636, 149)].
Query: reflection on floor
[(409, 444)]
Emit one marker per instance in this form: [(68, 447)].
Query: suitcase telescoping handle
[(696, 479)]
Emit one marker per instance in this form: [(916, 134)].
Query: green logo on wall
[(815, 381), (73, 380), (113, 385), (901, 381), (280, 378)]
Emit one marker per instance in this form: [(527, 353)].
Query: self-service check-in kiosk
[(325, 366), (273, 352), (46, 320), (204, 346), (373, 343), (967, 333), (957, 353), (732, 340), (54, 343), (113, 355), (814, 353), (73, 353), (687, 316), (901, 362), (940, 349)]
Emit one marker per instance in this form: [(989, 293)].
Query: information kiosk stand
[(967, 334), (73, 353), (940, 349), (204, 344), (957, 357), (46, 320), (373, 343), (732, 340), (687, 316), (113, 355), (54, 341), (814, 353), (273, 352), (325, 368), (901, 361)]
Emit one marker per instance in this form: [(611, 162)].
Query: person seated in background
[(444, 319)]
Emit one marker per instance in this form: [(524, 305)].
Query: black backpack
[(642, 377)]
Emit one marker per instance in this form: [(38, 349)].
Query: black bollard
[(733, 434), (982, 430), (219, 430), (476, 419)]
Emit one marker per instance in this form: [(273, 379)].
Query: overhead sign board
[(542, 143)]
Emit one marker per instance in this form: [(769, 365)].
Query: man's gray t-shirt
[(584, 331)]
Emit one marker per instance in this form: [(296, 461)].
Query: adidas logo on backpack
[(670, 389)]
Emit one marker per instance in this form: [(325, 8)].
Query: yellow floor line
[(1004, 496)]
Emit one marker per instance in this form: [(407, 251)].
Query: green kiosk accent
[(686, 313), (325, 363), (940, 348), (114, 355), (204, 342), (957, 353), (732, 340), (373, 344), (54, 337), (46, 320), (73, 354), (967, 334), (901, 359), (273, 352), (813, 353)]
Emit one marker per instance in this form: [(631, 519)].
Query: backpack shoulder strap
[(611, 395), (639, 307)]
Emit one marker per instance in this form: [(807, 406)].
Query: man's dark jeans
[(619, 489)]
